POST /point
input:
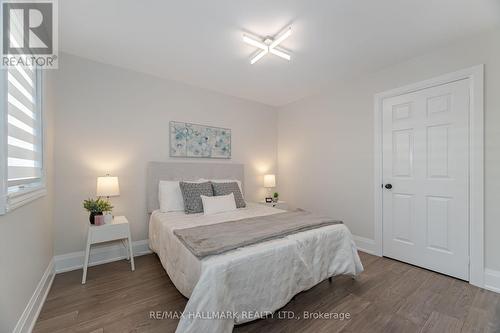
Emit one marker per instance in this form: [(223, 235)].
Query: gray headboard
[(186, 171)]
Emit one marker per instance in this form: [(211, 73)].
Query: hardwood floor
[(389, 296)]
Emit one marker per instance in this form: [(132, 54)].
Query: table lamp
[(269, 182), (108, 186)]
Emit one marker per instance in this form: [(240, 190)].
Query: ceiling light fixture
[(269, 46)]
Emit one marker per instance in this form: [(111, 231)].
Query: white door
[(426, 161)]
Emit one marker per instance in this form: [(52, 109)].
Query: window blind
[(24, 137)]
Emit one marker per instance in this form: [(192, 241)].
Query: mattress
[(255, 279)]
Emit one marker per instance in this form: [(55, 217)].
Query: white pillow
[(170, 196), (218, 204), (226, 181)]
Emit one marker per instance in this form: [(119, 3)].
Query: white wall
[(112, 120), (325, 149), (26, 242)]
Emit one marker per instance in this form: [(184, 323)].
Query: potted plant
[(96, 207), (276, 197)]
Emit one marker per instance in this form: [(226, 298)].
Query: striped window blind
[(24, 128)]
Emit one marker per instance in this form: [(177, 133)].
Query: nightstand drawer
[(106, 233)]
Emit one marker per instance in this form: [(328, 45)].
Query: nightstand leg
[(86, 262), (131, 253), (125, 245)]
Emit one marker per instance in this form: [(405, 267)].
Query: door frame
[(476, 163)]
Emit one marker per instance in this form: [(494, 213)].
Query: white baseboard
[(30, 314), (99, 255), (492, 280), (366, 245)]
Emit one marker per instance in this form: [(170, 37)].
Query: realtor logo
[(29, 34)]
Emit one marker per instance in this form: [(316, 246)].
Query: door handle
[(388, 186)]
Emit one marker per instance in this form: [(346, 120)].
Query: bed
[(249, 282)]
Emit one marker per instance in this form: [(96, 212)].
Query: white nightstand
[(280, 204), (117, 230)]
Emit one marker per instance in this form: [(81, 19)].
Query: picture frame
[(188, 140)]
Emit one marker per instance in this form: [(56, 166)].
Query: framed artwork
[(200, 141)]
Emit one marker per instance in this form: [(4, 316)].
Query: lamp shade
[(108, 186), (269, 181)]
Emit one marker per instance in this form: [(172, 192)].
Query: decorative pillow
[(225, 181), (191, 194), (220, 204), (227, 188)]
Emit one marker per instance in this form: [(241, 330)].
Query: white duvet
[(249, 281)]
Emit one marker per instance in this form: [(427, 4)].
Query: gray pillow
[(191, 194), (228, 188)]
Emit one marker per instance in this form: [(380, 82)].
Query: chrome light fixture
[(269, 46)]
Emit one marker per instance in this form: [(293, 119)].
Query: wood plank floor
[(389, 296)]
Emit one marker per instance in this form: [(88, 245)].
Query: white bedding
[(255, 279)]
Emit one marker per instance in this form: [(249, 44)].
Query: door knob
[(388, 186)]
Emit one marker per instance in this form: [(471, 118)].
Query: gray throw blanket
[(218, 238)]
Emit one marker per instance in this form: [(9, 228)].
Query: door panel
[(426, 159), (438, 221), (402, 211), (438, 151), (402, 150)]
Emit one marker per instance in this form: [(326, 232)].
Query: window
[(22, 137)]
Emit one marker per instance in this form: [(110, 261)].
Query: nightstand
[(117, 230), (280, 204)]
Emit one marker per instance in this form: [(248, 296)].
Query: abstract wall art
[(193, 140)]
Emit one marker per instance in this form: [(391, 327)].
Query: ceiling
[(199, 42)]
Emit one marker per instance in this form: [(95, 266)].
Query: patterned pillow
[(191, 194), (228, 188)]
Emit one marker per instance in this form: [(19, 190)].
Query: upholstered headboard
[(186, 171)]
